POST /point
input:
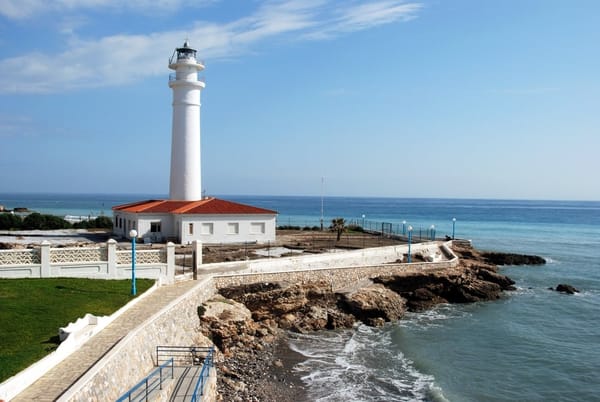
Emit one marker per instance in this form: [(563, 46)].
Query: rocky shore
[(249, 323)]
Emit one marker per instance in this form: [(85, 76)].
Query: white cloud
[(355, 17), (23, 9), (115, 59)]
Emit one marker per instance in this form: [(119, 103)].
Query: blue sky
[(432, 98)]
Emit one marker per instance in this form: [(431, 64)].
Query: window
[(155, 227), (207, 228), (257, 228), (191, 228), (233, 228)]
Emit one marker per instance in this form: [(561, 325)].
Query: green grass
[(32, 311)]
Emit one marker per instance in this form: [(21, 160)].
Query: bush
[(288, 227), (37, 221), (101, 222), (355, 228), (10, 221)]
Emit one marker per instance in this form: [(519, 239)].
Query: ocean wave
[(434, 317), (360, 364)]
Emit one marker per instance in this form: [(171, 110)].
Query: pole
[(133, 235), (409, 241), (453, 227), (322, 180)]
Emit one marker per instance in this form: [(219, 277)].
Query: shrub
[(10, 221), (37, 221), (101, 222), (355, 228)]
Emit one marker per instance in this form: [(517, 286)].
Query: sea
[(533, 344)]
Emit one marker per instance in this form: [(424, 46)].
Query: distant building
[(186, 216)]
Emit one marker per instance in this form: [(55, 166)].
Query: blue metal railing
[(208, 363), (149, 384)]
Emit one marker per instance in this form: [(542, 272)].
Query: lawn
[(32, 311)]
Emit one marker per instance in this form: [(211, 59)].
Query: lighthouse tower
[(185, 182)]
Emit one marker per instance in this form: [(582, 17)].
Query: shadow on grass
[(53, 342), (87, 291)]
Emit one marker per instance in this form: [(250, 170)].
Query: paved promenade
[(62, 376)]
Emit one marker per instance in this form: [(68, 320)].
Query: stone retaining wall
[(134, 356), (338, 277)]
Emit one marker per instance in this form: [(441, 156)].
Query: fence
[(105, 262), (386, 229), (208, 363), (182, 355), (143, 389)]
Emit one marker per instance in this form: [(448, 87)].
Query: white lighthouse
[(185, 182), (186, 216)]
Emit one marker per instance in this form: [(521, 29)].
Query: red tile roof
[(207, 206)]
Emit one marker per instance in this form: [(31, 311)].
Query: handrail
[(208, 362), (182, 356), (127, 396)]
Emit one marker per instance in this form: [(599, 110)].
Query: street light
[(403, 228), (432, 235), (133, 234), (410, 229), (453, 227), (363, 222)]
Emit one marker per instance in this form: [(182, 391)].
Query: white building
[(210, 220), (186, 216)]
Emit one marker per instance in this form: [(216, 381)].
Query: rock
[(512, 259), (564, 288), (504, 281), (374, 304)]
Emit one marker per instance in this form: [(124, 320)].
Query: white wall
[(177, 227), (167, 227), (221, 232)]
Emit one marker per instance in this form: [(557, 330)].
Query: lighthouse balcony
[(173, 77)]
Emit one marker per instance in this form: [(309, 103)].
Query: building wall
[(259, 228), (217, 229)]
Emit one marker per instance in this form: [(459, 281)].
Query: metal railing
[(182, 356), (208, 363), (153, 381)]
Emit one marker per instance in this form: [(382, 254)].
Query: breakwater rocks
[(245, 322)]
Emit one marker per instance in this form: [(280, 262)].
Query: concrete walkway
[(62, 376)]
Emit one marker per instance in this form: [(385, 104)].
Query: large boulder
[(564, 288), (374, 304), (512, 259)]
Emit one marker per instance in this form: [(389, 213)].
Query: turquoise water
[(532, 345)]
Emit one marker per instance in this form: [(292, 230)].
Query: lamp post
[(133, 234), (363, 220), (403, 228), (432, 234), (410, 229), (453, 227)]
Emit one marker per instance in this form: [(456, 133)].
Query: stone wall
[(340, 276), (339, 259), (134, 356)]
